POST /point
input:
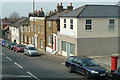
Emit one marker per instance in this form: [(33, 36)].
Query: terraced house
[(53, 25), (37, 30), (90, 30)]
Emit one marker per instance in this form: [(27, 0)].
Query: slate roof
[(21, 22), (94, 11)]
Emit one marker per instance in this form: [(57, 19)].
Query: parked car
[(3, 42), (11, 45), (18, 48), (7, 43), (86, 66), (116, 74), (30, 51)]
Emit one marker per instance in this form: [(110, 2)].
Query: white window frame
[(49, 40), (34, 28), (32, 40), (29, 40), (38, 29), (64, 23), (31, 27), (88, 25), (71, 24), (25, 39), (111, 24), (41, 29), (41, 43), (49, 24)]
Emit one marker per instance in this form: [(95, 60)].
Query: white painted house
[(90, 30)]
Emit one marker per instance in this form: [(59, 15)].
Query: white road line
[(9, 76), (18, 65), (3, 54), (32, 75), (9, 58), (63, 63)]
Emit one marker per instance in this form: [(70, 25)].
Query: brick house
[(37, 29), (53, 25)]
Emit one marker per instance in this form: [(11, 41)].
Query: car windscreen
[(32, 48), (89, 62), (13, 43), (20, 46)]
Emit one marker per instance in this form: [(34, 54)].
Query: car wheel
[(70, 69), (86, 74)]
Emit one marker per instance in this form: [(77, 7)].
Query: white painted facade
[(100, 29), (15, 34)]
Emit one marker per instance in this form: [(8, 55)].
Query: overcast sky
[(23, 7)]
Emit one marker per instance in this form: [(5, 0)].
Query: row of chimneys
[(39, 13), (60, 8)]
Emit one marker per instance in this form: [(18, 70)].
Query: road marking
[(18, 65), (32, 75), (63, 63), (12, 76), (9, 58), (3, 54)]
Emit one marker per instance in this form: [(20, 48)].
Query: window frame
[(111, 25), (64, 23), (49, 40), (88, 24), (71, 24)]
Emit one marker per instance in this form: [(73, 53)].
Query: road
[(17, 66)]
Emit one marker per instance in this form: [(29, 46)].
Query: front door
[(54, 42)]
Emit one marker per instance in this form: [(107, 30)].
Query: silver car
[(30, 51)]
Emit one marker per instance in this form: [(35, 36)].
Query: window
[(41, 43), (64, 23), (29, 40), (21, 29), (32, 40), (25, 39), (41, 29), (34, 28), (111, 23), (49, 43), (72, 49), (71, 24), (38, 28), (64, 46), (31, 27), (49, 24), (88, 25), (21, 38), (26, 29)]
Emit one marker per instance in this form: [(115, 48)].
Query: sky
[(23, 7)]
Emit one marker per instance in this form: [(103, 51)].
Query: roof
[(21, 22), (94, 11), (56, 16)]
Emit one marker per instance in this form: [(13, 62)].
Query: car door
[(74, 63), (79, 66)]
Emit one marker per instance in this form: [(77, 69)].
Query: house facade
[(88, 31), (53, 25), (37, 30)]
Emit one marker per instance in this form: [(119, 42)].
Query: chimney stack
[(50, 12), (59, 8), (61, 4), (70, 7), (41, 9)]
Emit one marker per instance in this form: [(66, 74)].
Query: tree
[(14, 15)]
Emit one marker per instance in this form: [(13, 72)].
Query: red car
[(18, 48)]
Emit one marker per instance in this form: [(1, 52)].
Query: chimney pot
[(70, 4), (57, 4), (50, 12), (36, 11), (61, 4), (41, 9)]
